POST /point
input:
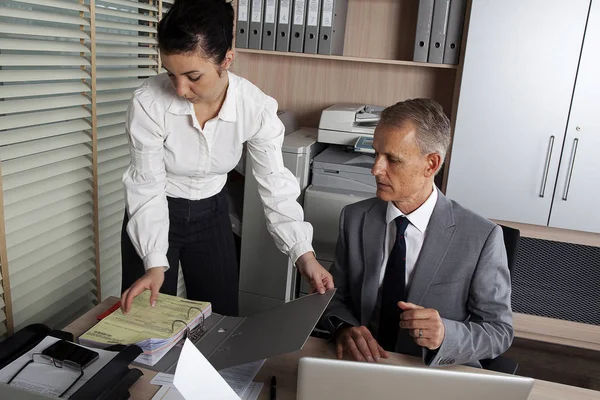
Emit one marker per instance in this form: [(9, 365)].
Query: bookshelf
[(376, 66)]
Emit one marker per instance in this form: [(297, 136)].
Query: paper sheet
[(170, 393), (238, 378), (195, 377), (143, 322), (47, 379)]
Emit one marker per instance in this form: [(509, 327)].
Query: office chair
[(511, 243)]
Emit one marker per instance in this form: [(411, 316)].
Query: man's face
[(403, 174)]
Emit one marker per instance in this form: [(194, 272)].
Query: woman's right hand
[(152, 280)]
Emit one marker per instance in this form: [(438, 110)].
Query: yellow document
[(144, 322)]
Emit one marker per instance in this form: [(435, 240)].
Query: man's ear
[(434, 163)]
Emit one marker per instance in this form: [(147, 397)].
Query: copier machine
[(341, 174)]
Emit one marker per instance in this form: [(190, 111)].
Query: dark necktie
[(393, 289)]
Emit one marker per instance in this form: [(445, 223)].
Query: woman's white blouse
[(171, 155)]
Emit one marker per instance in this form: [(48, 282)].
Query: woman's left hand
[(318, 277)]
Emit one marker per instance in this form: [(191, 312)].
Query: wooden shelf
[(350, 59)]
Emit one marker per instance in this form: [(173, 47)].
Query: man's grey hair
[(431, 123)]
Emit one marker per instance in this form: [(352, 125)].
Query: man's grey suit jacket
[(462, 272)]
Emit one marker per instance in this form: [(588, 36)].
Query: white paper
[(239, 378), (313, 13), (243, 10), (270, 12), (256, 10), (171, 393), (195, 378), (162, 379), (284, 11), (327, 13), (253, 391), (299, 12), (47, 379)]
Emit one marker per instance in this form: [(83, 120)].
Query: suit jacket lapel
[(437, 239), (373, 245)]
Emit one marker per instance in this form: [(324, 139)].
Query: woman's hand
[(318, 277), (152, 280)]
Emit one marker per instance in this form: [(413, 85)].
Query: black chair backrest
[(511, 242)]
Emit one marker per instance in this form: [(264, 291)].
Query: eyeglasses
[(43, 359)]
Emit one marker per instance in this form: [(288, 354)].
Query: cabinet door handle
[(547, 166), (570, 170)]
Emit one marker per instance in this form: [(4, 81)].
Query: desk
[(286, 368)]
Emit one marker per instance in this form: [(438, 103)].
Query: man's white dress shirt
[(172, 155), (413, 236)]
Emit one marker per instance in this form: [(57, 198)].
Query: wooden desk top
[(285, 368)]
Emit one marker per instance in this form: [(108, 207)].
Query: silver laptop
[(320, 379)]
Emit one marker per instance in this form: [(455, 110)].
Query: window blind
[(126, 54), (67, 71), (45, 150)]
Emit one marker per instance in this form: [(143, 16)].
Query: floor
[(556, 363)]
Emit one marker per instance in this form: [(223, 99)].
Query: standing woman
[(186, 130)]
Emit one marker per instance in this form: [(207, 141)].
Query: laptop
[(320, 379)]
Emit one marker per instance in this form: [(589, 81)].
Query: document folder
[(423, 35), (333, 27), (231, 341), (456, 21), (284, 25), (270, 25), (243, 26), (256, 24), (298, 26), (313, 16), (438, 31)]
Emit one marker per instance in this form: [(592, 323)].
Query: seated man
[(416, 273)]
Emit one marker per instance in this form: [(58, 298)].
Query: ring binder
[(230, 341), (195, 333)]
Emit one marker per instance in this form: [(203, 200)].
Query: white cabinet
[(577, 196), (519, 74)]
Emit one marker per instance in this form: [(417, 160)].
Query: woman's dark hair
[(197, 25)]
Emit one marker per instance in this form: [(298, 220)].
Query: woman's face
[(196, 78)]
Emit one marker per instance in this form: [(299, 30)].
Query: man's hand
[(314, 273), (152, 280), (358, 341), (424, 325)]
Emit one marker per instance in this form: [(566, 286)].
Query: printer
[(341, 174), (345, 124)]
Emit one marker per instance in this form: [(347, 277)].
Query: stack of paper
[(195, 378), (153, 329)]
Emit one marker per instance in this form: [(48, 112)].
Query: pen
[(273, 388)]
